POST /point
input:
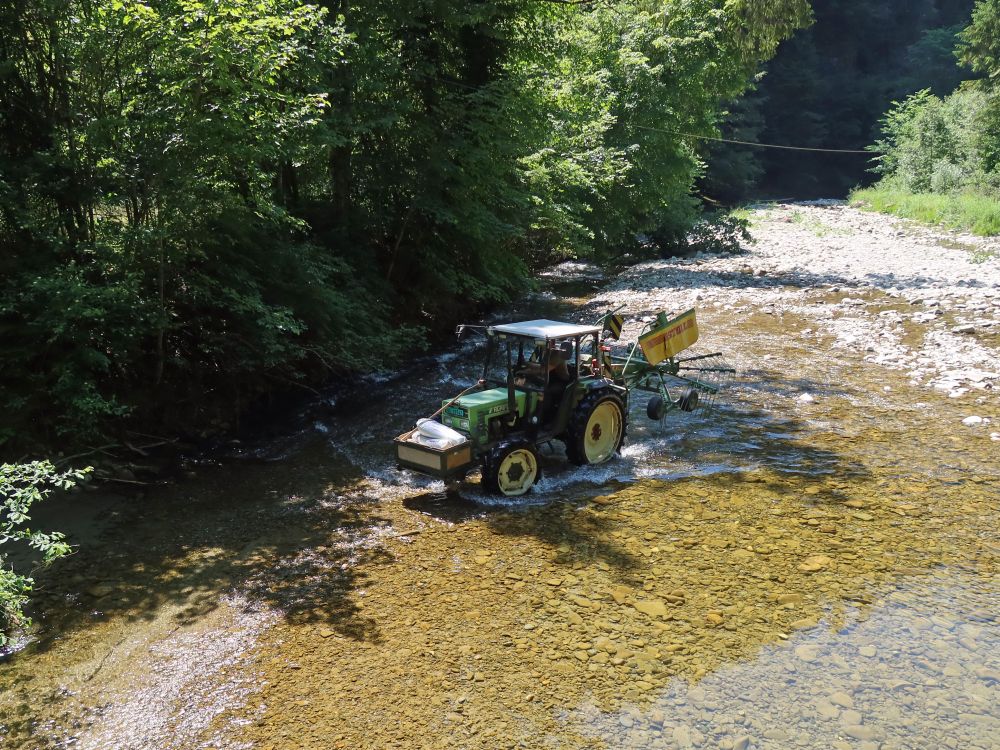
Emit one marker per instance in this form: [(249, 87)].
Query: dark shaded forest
[(829, 87)]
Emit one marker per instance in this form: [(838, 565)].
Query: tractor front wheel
[(596, 430), (511, 469)]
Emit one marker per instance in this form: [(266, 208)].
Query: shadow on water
[(272, 534)]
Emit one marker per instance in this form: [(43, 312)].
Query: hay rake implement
[(651, 364)]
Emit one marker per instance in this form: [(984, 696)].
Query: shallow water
[(773, 574)]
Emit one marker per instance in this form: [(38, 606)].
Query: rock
[(682, 736), (814, 563), (850, 717), (743, 743), (868, 651), (990, 675), (100, 590), (776, 734), (995, 437), (790, 599), (805, 622), (860, 732), (326, 632), (841, 699), (827, 710), (972, 421), (807, 398), (651, 607), (807, 652), (620, 594)]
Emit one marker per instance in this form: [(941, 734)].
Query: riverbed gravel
[(922, 300)]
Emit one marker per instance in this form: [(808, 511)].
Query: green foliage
[(21, 487), (930, 144), (721, 233), (206, 198), (980, 46)]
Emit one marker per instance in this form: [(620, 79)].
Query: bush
[(936, 145), (714, 233), (21, 486)]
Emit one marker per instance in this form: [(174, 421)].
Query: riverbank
[(900, 295)]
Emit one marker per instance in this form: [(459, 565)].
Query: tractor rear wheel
[(511, 468), (596, 429)]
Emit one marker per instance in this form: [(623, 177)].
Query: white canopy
[(545, 329)]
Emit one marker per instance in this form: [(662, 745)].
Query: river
[(812, 563)]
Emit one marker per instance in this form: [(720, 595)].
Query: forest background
[(205, 202)]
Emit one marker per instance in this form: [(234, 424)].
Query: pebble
[(815, 563), (841, 699), (827, 710), (790, 599), (651, 607), (807, 653), (860, 732), (850, 717), (100, 590), (972, 421), (807, 398), (682, 736)]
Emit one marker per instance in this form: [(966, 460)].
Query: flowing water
[(773, 574)]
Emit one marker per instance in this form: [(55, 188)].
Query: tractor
[(545, 380)]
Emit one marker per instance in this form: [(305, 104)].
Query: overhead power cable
[(751, 143), (707, 137)]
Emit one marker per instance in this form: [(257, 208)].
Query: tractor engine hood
[(472, 412)]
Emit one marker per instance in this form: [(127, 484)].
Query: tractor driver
[(559, 363), (559, 378)]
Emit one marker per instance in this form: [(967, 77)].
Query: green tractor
[(545, 380)]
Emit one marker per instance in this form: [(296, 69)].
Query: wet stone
[(841, 699)]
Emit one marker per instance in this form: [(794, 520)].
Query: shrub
[(21, 486)]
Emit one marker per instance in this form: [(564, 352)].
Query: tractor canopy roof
[(544, 329)]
